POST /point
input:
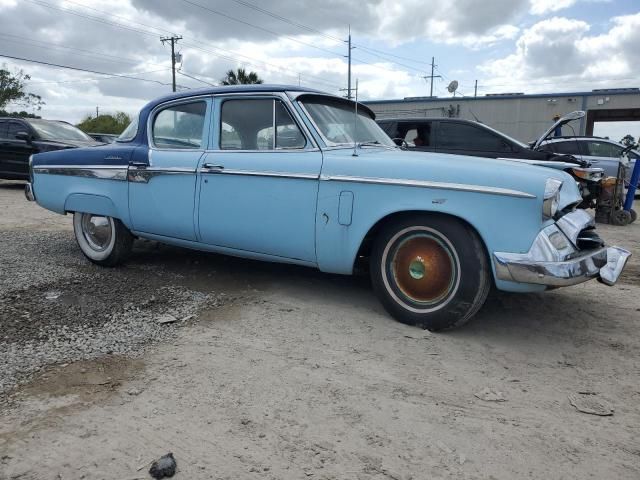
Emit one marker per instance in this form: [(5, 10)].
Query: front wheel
[(430, 271), (103, 240)]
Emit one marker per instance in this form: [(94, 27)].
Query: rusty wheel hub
[(423, 268)]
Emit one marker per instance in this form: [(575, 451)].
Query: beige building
[(524, 117)]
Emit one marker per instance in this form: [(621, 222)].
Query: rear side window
[(180, 126), (603, 149), (460, 136)]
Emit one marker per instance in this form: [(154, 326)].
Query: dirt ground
[(279, 372)]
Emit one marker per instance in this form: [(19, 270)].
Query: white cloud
[(542, 7), (559, 51)]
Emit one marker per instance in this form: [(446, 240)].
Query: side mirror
[(23, 136)]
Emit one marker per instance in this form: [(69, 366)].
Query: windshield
[(59, 131), (511, 139), (129, 132), (337, 123)]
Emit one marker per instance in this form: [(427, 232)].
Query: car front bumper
[(28, 192), (555, 260)]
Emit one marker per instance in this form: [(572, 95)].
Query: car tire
[(103, 240), (430, 271)]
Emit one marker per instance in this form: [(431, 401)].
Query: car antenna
[(355, 124), (474, 116)]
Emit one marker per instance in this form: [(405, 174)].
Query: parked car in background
[(599, 152), (103, 137), (23, 137), (465, 137), (288, 174)]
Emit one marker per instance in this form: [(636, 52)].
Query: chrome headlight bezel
[(551, 199)]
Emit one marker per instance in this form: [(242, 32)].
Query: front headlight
[(551, 198), (591, 174)]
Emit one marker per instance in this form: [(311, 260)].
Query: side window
[(15, 127), (258, 124), (459, 136), (3, 128), (418, 135), (563, 148), (180, 126), (603, 149)]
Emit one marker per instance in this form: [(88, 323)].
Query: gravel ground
[(287, 373), (67, 310)]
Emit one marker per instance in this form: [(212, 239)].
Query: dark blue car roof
[(230, 89)]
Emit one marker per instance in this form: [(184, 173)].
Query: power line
[(181, 72), (88, 53), (69, 67), (233, 58)]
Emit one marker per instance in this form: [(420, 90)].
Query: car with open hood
[(294, 175), (465, 137)]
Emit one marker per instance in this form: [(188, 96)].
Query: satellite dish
[(453, 86)]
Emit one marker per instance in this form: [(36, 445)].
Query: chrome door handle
[(138, 164), (212, 166)]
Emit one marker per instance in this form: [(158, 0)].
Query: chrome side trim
[(143, 175), (256, 173), (427, 184), (106, 172)]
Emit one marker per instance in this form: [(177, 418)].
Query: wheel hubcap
[(423, 268), (97, 231)]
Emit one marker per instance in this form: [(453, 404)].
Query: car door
[(462, 138), (162, 189), (259, 182), (602, 154), (16, 152)]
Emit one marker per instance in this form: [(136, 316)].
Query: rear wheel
[(103, 240), (430, 271)]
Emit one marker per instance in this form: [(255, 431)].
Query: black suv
[(460, 137), (22, 137)]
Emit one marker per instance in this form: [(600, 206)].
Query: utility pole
[(432, 76), (173, 40), (475, 90), (349, 48), (97, 111)]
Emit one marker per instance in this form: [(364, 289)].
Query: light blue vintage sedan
[(288, 174)]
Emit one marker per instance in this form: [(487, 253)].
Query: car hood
[(457, 169)]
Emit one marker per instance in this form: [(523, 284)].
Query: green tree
[(20, 114), (105, 123), (240, 77), (12, 90), (628, 140)]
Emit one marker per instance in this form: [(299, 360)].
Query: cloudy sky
[(506, 45)]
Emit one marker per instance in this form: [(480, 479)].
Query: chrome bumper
[(28, 192), (554, 259)]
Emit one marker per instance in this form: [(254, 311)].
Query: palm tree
[(240, 77)]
